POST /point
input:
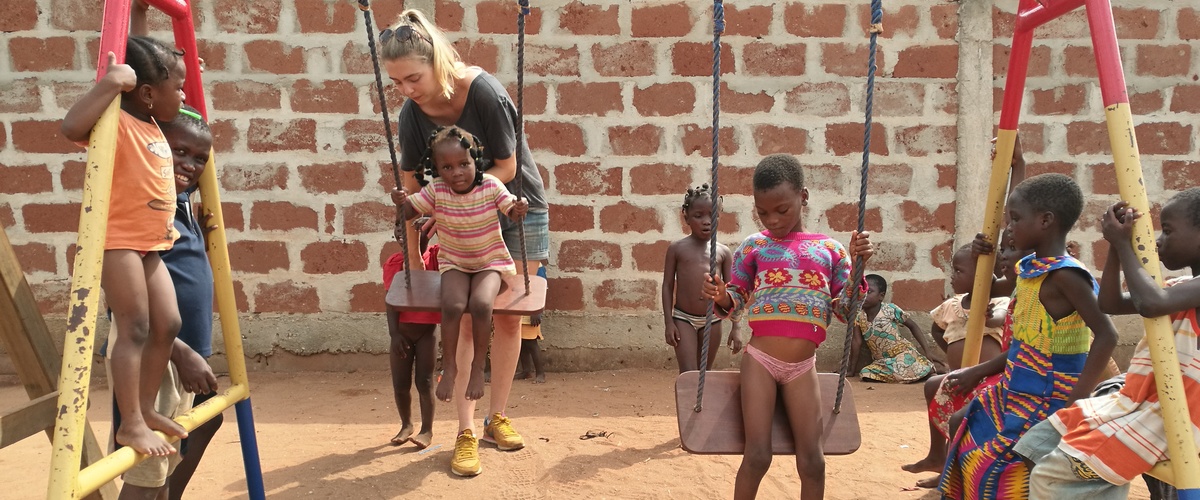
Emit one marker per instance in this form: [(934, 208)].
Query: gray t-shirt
[(491, 117)]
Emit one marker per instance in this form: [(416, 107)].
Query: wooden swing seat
[(425, 295), (717, 428)]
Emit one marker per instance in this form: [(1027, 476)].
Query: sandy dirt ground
[(325, 435)]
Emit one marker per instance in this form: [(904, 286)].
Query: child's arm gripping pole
[(1184, 468)]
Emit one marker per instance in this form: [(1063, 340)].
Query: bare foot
[(423, 439), (143, 440), (540, 379), (927, 464), (475, 386), (163, 424), (445, 388), (521, 376), (406, 431), (930, 483)]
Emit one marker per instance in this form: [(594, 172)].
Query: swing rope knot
[(718, 18), (364, 5)]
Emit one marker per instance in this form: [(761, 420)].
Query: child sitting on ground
[(1094, 448), (1049, 362), (530, 360), (413, 344), (950, 318), (878, 324), (791, 283), (685, 311)]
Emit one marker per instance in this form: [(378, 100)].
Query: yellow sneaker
[(466, 455), (498, 429)]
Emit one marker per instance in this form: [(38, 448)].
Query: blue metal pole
[(254, 478)]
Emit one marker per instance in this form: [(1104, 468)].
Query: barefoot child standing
[(413, 350), (791, 283), (685, 309)]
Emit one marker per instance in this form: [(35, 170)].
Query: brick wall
[(618, 99)]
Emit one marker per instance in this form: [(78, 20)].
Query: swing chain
[(520, 178), (718, 28)]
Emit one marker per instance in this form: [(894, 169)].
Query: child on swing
[(685, 311), (791, 283), (136, 284), (464, 201)]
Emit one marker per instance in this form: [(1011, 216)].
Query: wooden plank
[(718, 429), (426, 294), (29, 419)]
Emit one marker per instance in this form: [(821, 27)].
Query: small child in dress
[(685, 310), (413, 344), (1094, 448), (464, 201), (950, 318), (136, 284), (878, 324), (530, 360), (791, 283)]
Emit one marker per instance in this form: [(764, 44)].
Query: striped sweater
[(468, 226)]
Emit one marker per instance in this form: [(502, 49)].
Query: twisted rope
[(365, 7), (718, 28), (520, 179), (855, 294)]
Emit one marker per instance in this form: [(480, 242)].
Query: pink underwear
[(782, 371)]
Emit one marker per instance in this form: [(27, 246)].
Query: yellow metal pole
[(84, 301)]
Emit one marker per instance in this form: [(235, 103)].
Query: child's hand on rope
[(981, 245), (519, 209), (1117, 222), (861, 246), (714, 289), (399, 197)]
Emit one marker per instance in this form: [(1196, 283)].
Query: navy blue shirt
[(187, 262)]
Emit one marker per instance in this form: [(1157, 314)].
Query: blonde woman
[(442, 90)]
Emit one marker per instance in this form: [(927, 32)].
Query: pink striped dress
[(468, 226)]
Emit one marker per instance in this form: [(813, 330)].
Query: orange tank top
[(141, 212)]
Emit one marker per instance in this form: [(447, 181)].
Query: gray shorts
[(1058, 475), (537, 236)]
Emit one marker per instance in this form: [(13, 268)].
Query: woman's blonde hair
[(428, 42)]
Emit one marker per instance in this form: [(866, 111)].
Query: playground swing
[(718, 428), (421, 290)]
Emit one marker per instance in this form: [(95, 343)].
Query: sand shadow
[(335, 472), (580, 467)]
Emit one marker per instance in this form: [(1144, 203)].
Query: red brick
[(536, 96), (1050, 167), (819, 99), (244, 95), (71, 177), (944, 18), (1188, 22), (20, 96), (41, 137), (843, 218), (895, 98), (771, 139), (480, 53), (1180, 174), (560, 138), (25, 179), (215, 54), (587, 179), (225, 134), (7, 220), (1104, 179), (34, 257), (391, 93), (356, 60), (827, 21), (572, 218), (232, 213), (672, 21), (902, 20), (1070, 25), (894, 257), (889, 179), (266, 136), (1087, 138), (273, 56), (320, 16), (697, 139), (30, 54), (632, 58), (330, 217), (650, 256), (1185, 99), (1099, 254), (365, 136), (1080, 61), (627, 294), (947, 176), (825, 179), (729, 223), (1164, 138), (334, 257), (754, 20), (658, 178), (1143, 103), (328, 96), (635, 141), (925, 140), (927, 61), (369, 218), (1033, 137), (849, 59), (18, 15), (66, 94), (577, 256), (1169, 60), (332, 178), (282, 216), (695, 59), (368, 297), (286, 297), (257, 257), (564, 294), (734, 102), (52, 296), (578, 98), (1064, 100), (237, 16), (240, 177), (579, 19), (551, 61), (916, 295), (1136, 23), (665, 99), (941, 254), (51, 218), (624, 217), (3, 138), (736, 180), (767, 59), (496, 16), (843, 139), (1039, 60), (448, 15), (919, 219)]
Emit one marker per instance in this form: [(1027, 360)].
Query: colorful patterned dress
[(1045, 358), (946, 402), (896, 359)]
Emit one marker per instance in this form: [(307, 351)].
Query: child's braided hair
[(696, 193), (462, 138)]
